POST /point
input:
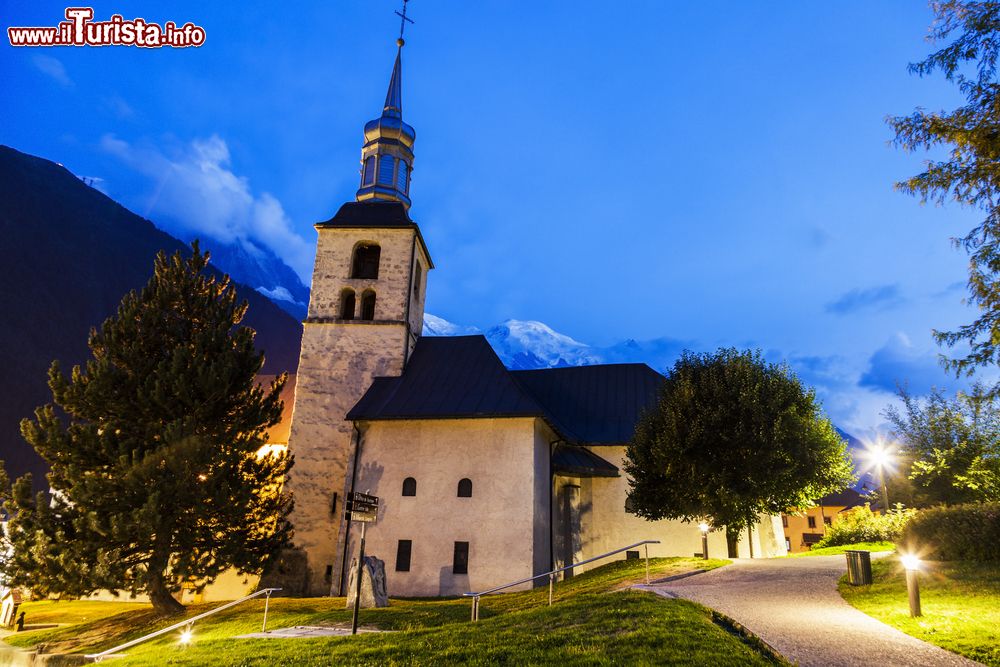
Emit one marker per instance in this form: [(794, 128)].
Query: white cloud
[(197, 190), (52, 68)]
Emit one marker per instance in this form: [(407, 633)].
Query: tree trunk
[(163, 602), (750, 538)]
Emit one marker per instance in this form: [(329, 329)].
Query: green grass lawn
[(960, 603), (590, 623), (833, 551)]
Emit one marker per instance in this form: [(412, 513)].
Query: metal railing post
[(187, 623), (267, 602), (552, 575)]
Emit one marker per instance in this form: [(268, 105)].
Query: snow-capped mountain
[(523, 345), (528, 344), (251, 264)]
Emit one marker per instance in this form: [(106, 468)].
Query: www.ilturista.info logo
[(81, 30)]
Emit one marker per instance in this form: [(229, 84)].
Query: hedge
[(862, 525), (956, 532)]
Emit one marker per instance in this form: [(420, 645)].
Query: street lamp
[(703, 527), (912, 565), (881, 457)]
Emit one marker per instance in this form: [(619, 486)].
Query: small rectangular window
[(631, 555), (403, 555), (784, 521), (461, 564), (812, 522), (828, 521)]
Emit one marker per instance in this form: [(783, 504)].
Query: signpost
[(363, 508)]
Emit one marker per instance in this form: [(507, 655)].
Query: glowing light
[(703, 527), (186, 635), (910, 561), (271, 449)]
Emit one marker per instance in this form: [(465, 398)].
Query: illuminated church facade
[(485, 475)]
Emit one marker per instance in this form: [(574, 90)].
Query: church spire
[(387, 154)]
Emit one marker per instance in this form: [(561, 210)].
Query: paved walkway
[(793, 605)]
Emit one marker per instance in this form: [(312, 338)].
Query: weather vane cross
[(403, 20)]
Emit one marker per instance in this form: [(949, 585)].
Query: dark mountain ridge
[(69, 255)]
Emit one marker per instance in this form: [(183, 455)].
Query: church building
[(485, 475)]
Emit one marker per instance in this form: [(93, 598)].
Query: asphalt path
[(793, 605)]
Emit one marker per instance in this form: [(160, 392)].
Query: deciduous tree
[(158, 478), (732, 438), (949, 448)]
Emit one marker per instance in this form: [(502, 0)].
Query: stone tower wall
[(337, 363)]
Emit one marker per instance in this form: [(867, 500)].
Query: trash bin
[(859, 567)]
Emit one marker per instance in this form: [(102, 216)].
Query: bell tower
[(365, 314)]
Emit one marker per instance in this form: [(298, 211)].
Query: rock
[(373, 586)]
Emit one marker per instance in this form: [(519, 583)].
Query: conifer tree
[(969, 172), (158, 477), (732, 438)]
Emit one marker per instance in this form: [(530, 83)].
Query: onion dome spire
[(387, 154)]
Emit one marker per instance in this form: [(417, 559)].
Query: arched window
[(368, 305), (402, 177), (418, 275), (368, 174), (385, 165), (409, 487), (347, 300), (366, 258), (465, 488)]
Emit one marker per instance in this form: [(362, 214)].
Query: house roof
[(846, 498), (570, 460), (461, 376), (600, 404), (447, 377)]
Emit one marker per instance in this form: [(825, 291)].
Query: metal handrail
[(551, 574), (187, 622)]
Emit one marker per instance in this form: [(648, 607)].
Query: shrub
[(956, 532), (862, 525)]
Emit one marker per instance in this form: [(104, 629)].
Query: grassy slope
[(587, 624), (833, 551), (960, 604)]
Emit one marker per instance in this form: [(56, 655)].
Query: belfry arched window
[(347, 303), (368, 174), (368, 305), (365, 262), (385, 170), (465, 488), (418, 276), (409, 487)]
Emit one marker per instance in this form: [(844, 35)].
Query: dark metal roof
[(461, 376), (370, 214), (454, 376), (599, 404), (847, 498), (375, 215), (580, 462)]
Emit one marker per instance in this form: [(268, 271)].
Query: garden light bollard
[(646, 548), (912, 565), (552, 581), (704, 540)]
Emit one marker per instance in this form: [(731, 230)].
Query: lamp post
[(880, 458), (912, 565), (704, 539)]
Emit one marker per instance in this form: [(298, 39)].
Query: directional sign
[(362, 507)]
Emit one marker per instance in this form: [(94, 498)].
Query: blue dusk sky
[(714, 173)]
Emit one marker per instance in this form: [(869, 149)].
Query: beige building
[(806, 528), (485, 475)]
